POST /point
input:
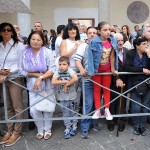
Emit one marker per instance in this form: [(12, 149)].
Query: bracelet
[(41, 77)]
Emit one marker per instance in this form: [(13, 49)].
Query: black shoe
[(1, 104), (143, 131), (121, 127), (110, 127), (130, 121), (96, 127), (31, 125), (136, 132), (1, 133), (148, 120)]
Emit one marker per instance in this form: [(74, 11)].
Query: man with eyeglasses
[(116, 84), (83, 35)]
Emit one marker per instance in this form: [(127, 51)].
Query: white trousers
[(41, 125)]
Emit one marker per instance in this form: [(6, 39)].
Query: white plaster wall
[(24, 20), (54, 12), (61, 15)]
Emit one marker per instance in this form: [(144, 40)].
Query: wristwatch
[(41, 77)]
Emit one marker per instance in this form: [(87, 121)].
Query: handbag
[(142, 88), (4, 73), (46, 105), (148, 83)]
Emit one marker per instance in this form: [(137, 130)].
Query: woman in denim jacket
[(101, 58)]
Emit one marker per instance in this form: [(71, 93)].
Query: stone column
[(104, 10), (24, 20)]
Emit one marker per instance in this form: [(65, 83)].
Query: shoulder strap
[(7, 55)]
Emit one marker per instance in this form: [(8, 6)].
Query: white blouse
[(12, 59)]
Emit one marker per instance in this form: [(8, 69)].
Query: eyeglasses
[(120, 40), (8, 30)]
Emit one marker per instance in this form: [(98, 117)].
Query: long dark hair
[(128, 30), (53, 33), (71, 26), (101, 24), (14, 34), (38, 33)]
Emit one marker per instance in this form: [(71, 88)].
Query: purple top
[(42, 62), (34, 63)]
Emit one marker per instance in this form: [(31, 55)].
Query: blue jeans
[(89, 106), (140, 121)]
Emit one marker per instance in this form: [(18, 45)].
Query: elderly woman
[(37, 65), (138, 60), (10, 49)]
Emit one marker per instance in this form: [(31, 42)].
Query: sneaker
[(96, 115), (143, 131), (67, 134), (96, 127), (108, 114), (84, 134), (13, 139), (73, 131), (136, 132), (6, 137)]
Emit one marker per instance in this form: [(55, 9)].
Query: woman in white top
[(70, 43), (10, 49)]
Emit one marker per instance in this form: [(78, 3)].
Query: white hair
[(118, 35)]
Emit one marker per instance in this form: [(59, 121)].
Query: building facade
[(51, 13)]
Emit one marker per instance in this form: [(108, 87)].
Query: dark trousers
[(115, 105)]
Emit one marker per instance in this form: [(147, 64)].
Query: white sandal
[(39, 135), (47, 134)]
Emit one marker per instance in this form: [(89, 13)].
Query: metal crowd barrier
[(80, 116)]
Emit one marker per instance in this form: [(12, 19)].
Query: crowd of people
[(54, 65)]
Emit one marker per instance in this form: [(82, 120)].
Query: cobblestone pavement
[(101, 140)]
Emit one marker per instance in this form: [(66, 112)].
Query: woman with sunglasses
[(10, 49)]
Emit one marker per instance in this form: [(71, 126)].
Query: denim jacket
[(95, 50)]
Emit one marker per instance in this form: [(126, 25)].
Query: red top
[(105, 58)]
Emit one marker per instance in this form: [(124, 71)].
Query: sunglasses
[(8, 30)]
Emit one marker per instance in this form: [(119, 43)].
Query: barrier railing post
[(83, 93), (5, 100)]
